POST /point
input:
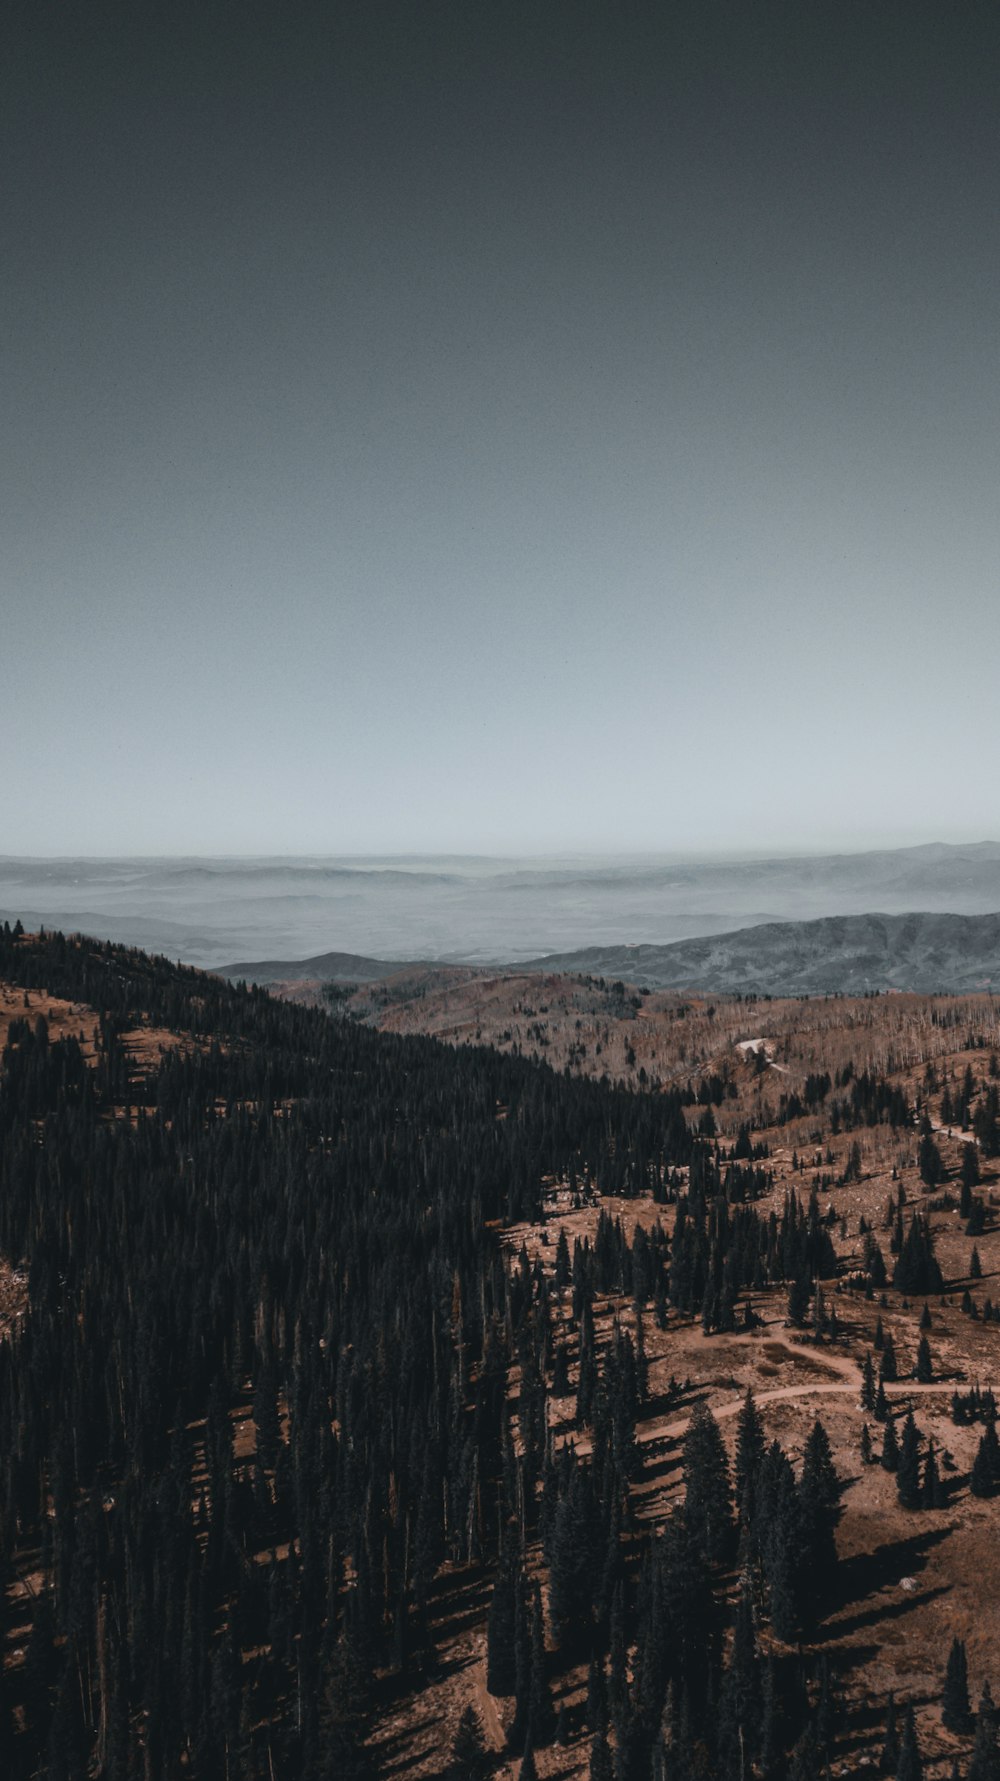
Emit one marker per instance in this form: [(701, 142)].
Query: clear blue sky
[(505, 427)]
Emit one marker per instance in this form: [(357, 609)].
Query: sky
[(498, 427)]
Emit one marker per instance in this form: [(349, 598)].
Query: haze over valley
[(214, 912)]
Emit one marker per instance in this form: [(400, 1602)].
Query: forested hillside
[(373, 1407), (296, 1217)]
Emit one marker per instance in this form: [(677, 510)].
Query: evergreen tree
[(602, 1767), (916, 1269), (597, 1706), (826, 1711), (345, 1715), (574, 1562), (932, 1492), (970, 1166), (799, 1295), (956, 1708), (908, 1471), (910, 1765), (707, 1497), (890, 1447), (805, 1757), (750, 1446), (470, 1758), (541, 1713), (985, 1474), (819, 1500), (501, 1670), (739, 1706), (929, 1160), (984, 1763)]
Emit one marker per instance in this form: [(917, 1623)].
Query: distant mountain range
[(840, 953), (475, 912), (326, 967)]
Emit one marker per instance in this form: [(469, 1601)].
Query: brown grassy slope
[(910, 1580)]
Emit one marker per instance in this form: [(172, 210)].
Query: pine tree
[(597, 1704), (929, 1160), (910, 1765), (819, 1501), (970, 1168), (739, 1706), (501, 1672), (574, 1562), (924, 1369), (706, 1480), (868, 1386), (783, 1548), (985, 1474), (563, 1270), (956, 1708), (932, 1493), (799, 1295), (772, 1726), (826, 1710), (601, 1766), (908, 1471), (344, 1714), (866, 1445), (470, 1758), (890, 1446), (805, 1757), (541, 1714), (749, 1449), (984, 1763)]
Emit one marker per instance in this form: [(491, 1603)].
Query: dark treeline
[(294, 1219)]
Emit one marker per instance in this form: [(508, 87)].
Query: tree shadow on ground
[(867, 1572), (864, 1724), (402, 1750)]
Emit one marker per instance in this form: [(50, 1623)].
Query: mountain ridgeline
[(475, 910), (840, 954)]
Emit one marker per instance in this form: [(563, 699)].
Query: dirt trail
[(953, 1131), (901, 1389)]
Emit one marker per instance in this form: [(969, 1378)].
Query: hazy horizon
[(829, 848), (217, 911)]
